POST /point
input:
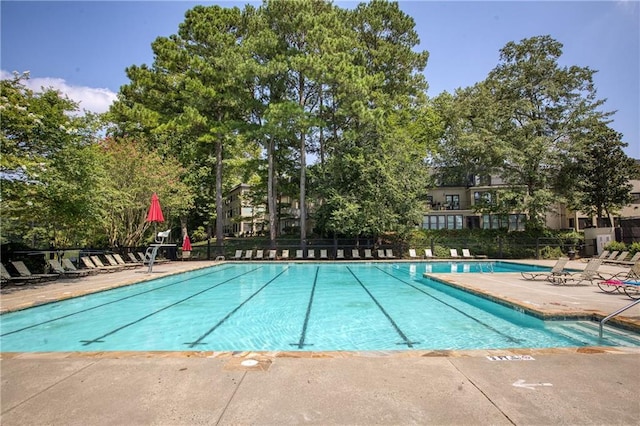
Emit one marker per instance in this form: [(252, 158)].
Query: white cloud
[(90, 98)]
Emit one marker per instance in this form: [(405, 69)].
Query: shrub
[(616, 246), (547, 252)]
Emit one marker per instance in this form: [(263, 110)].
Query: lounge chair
[(631, 261), (466, 254), (6, 277), (389, 254), (272, 254), (285, 254), (604, 254), (98, 262), (299, 254), (589, 274), (633, 273), (69, 266), (339, 254), (113, 262), (454, 253), (121, 261), (629, 287), (611, 256), (88, 263), (59, 269), (367, 254), (248, 254), (25, 272), (412, 254), (428, 254), (259, 255), (355, 254), (323, 255), (237, 256), (558, 269), (311, 254), (621, 257), (381, 254)]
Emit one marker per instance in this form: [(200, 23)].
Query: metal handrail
[(608, 317)]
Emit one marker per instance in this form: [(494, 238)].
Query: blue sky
[(83, 47)]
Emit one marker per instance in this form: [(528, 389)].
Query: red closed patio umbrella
[(186, 244), (155, 212)]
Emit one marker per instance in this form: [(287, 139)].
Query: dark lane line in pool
[(301, 344), (198, 341), (110, 303), (97, 339), (407, 342), (495, 330)]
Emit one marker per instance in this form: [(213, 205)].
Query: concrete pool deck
[(593, 385)]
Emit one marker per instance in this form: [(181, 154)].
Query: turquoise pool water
[(287, 306)]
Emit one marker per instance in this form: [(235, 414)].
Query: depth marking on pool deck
[(112, 302), (495, 330), (97, 339), (301, 344), (198, 341), (407, 342)]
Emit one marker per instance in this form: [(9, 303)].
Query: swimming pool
[(289, 306)]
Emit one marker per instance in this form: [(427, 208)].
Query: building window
[(452, 202), (453, 221)]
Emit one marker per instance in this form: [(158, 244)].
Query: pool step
[(588, 333)]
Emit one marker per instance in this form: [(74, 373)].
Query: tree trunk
[(219, 205), (303, 178), (271, 195)]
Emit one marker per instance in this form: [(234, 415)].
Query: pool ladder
[(151, 254), (611, 315), (489, 266)]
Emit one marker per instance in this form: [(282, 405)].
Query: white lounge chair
[(367, 254), (272, 254), (589, 274), (285, 254), (248, 255), (259, 255), (454, 253), (299, 254), (556, 270), (88, 263), (59, 269), (466, 254), (323, 254), (621, 257), (355, 254), (311, 254), (339, 254), (631, 261), (237, 256), (25, 272), (412, 254), (428, 254), (98, 262), (389, 254), (6, 277), (381, 254), (69, 266)]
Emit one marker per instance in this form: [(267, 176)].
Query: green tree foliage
[(602, 172), (519, 122), (373, 178), (191, 102), (49, 168), (134, 174)]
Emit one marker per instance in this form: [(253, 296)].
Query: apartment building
[(447, 207), (452, 207), (243, 218)]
